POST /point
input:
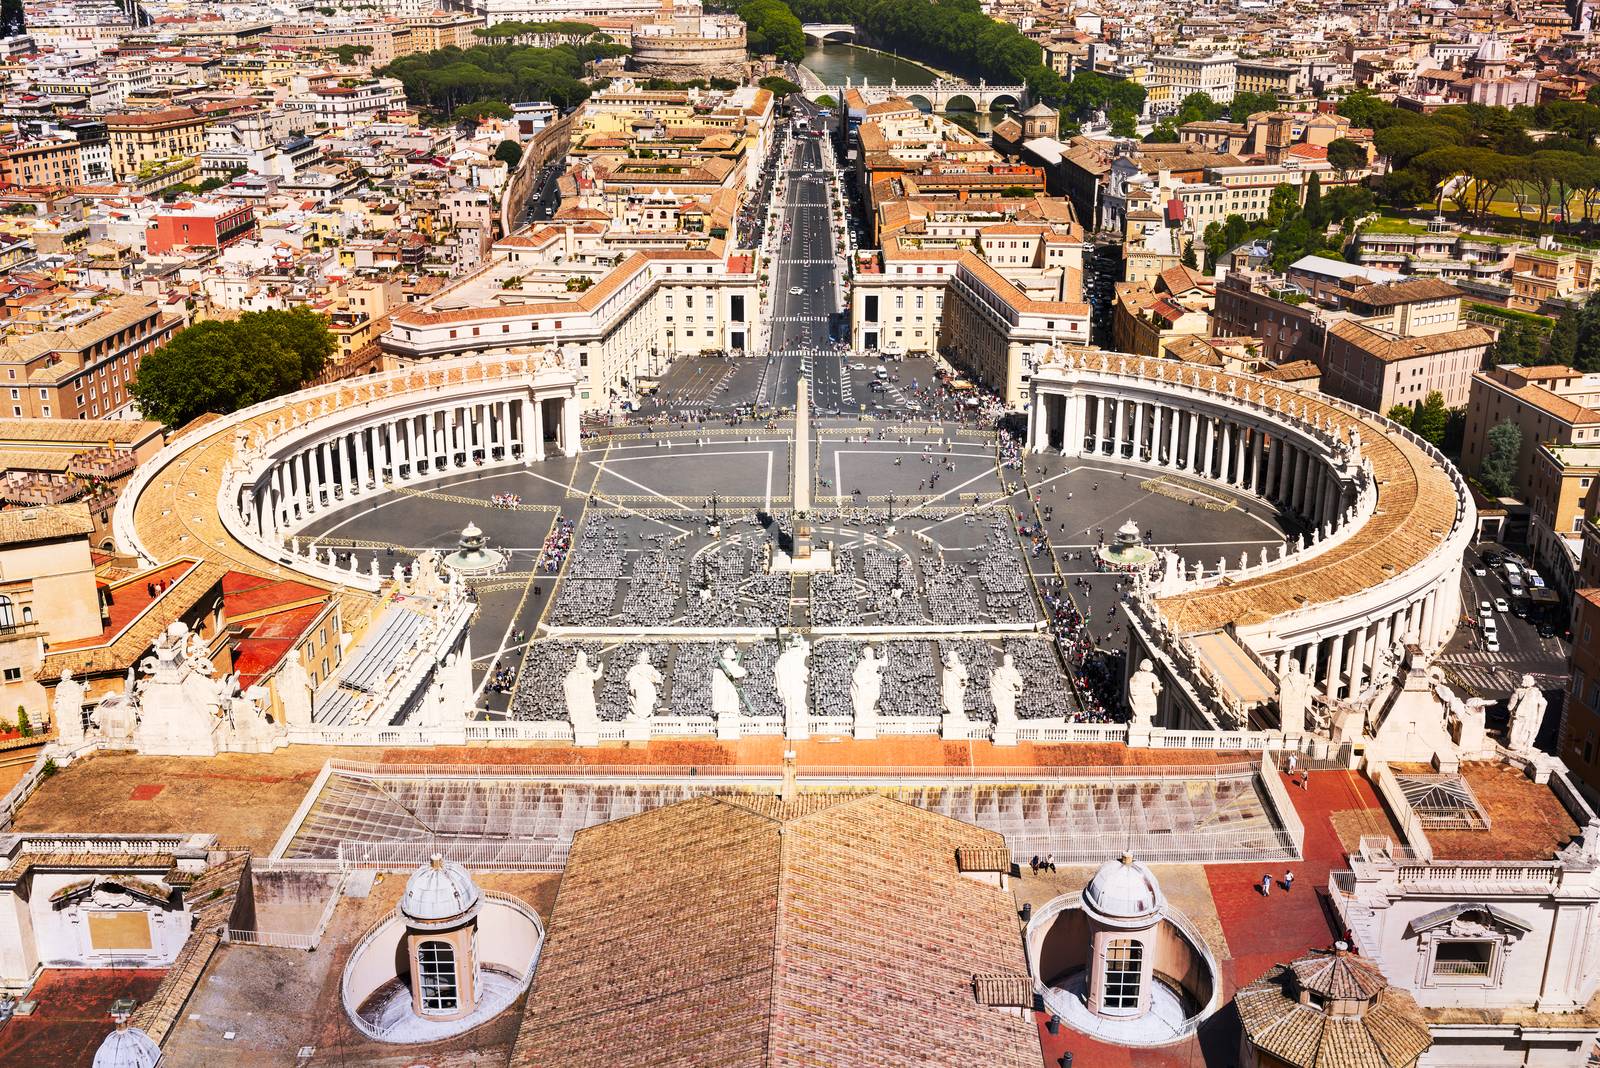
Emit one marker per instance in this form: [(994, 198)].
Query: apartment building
[(51, 164), (1181, 73), (1551, 405), (1561, 497), (80, 367), (150, 137)]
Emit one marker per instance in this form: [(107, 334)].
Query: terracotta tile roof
[(1385, 294), (830, 930), (1293, 371), (1384, 347), (48, 522), (120, 651), (1416, 506), (1391, 1033)]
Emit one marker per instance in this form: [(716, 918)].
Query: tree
[(1518, 343), (224, 366), (1499, 472), (1345, 156), (509, 153), (1284, 205), (779, 86), (1199, 107), (1124, 123), (773, 30), (1593, 95), (1575, 340), (1188, 259), (1312, 209), (1247, 104), (1430, 419), (13, 19), (1401, 413), (24, 725), (478, 111)]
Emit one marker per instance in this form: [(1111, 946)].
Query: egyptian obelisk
[(800, 493)]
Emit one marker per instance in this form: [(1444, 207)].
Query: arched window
[(1124, 963), (7, 616), (436, 971)]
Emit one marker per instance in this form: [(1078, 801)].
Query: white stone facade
[(1224, 429)]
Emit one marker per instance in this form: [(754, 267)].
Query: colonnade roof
[(176, 514), (1416, 508)]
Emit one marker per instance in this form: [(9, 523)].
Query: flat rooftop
[(248, 799)]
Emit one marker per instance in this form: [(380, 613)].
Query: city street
[(1522, 651)]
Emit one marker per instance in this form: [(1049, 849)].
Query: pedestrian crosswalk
[(798, 318), (1489, 675)]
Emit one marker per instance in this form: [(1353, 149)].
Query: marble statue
[(1294, 698), (725, 675), (790, 674), (1005, 686), (644, 682), (578, 687), (116, 718), (866, 686), (953, 686), (69, 709), (1527, 705), (179, 702), (1143, 691)]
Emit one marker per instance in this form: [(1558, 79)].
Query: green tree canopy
[(1345, 155), (1499, 472), (1401, 413), (773, 30), (778, 86), (1430, 418), (1575, 340), (508, 152), (224, 366), (1247, 104)]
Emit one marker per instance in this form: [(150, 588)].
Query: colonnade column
[(1331, 679)]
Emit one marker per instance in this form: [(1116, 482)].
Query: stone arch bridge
[(829, 31), (943, 95)]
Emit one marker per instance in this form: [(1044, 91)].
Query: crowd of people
[(1096, 671), (505, 500), (556, 545)]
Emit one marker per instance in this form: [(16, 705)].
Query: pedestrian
[(1051, 860), (1294, 759), (1034, 864), (1288, 881), (1305, 780), (1266, 886)]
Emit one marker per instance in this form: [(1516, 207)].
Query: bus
[(801, 124)]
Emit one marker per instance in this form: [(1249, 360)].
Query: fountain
[(472, 557), (1129, 550)]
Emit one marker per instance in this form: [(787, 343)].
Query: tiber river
[(834, 63)]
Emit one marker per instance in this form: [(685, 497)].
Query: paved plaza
[(933, 526)]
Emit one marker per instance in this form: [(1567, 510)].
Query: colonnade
[(404, 448), (1216, 446), (1344, 660), (1341, 645)]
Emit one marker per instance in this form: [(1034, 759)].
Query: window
[(1124, 962), (436, 972), (13, 674), (7, 614), (1454, 960)]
